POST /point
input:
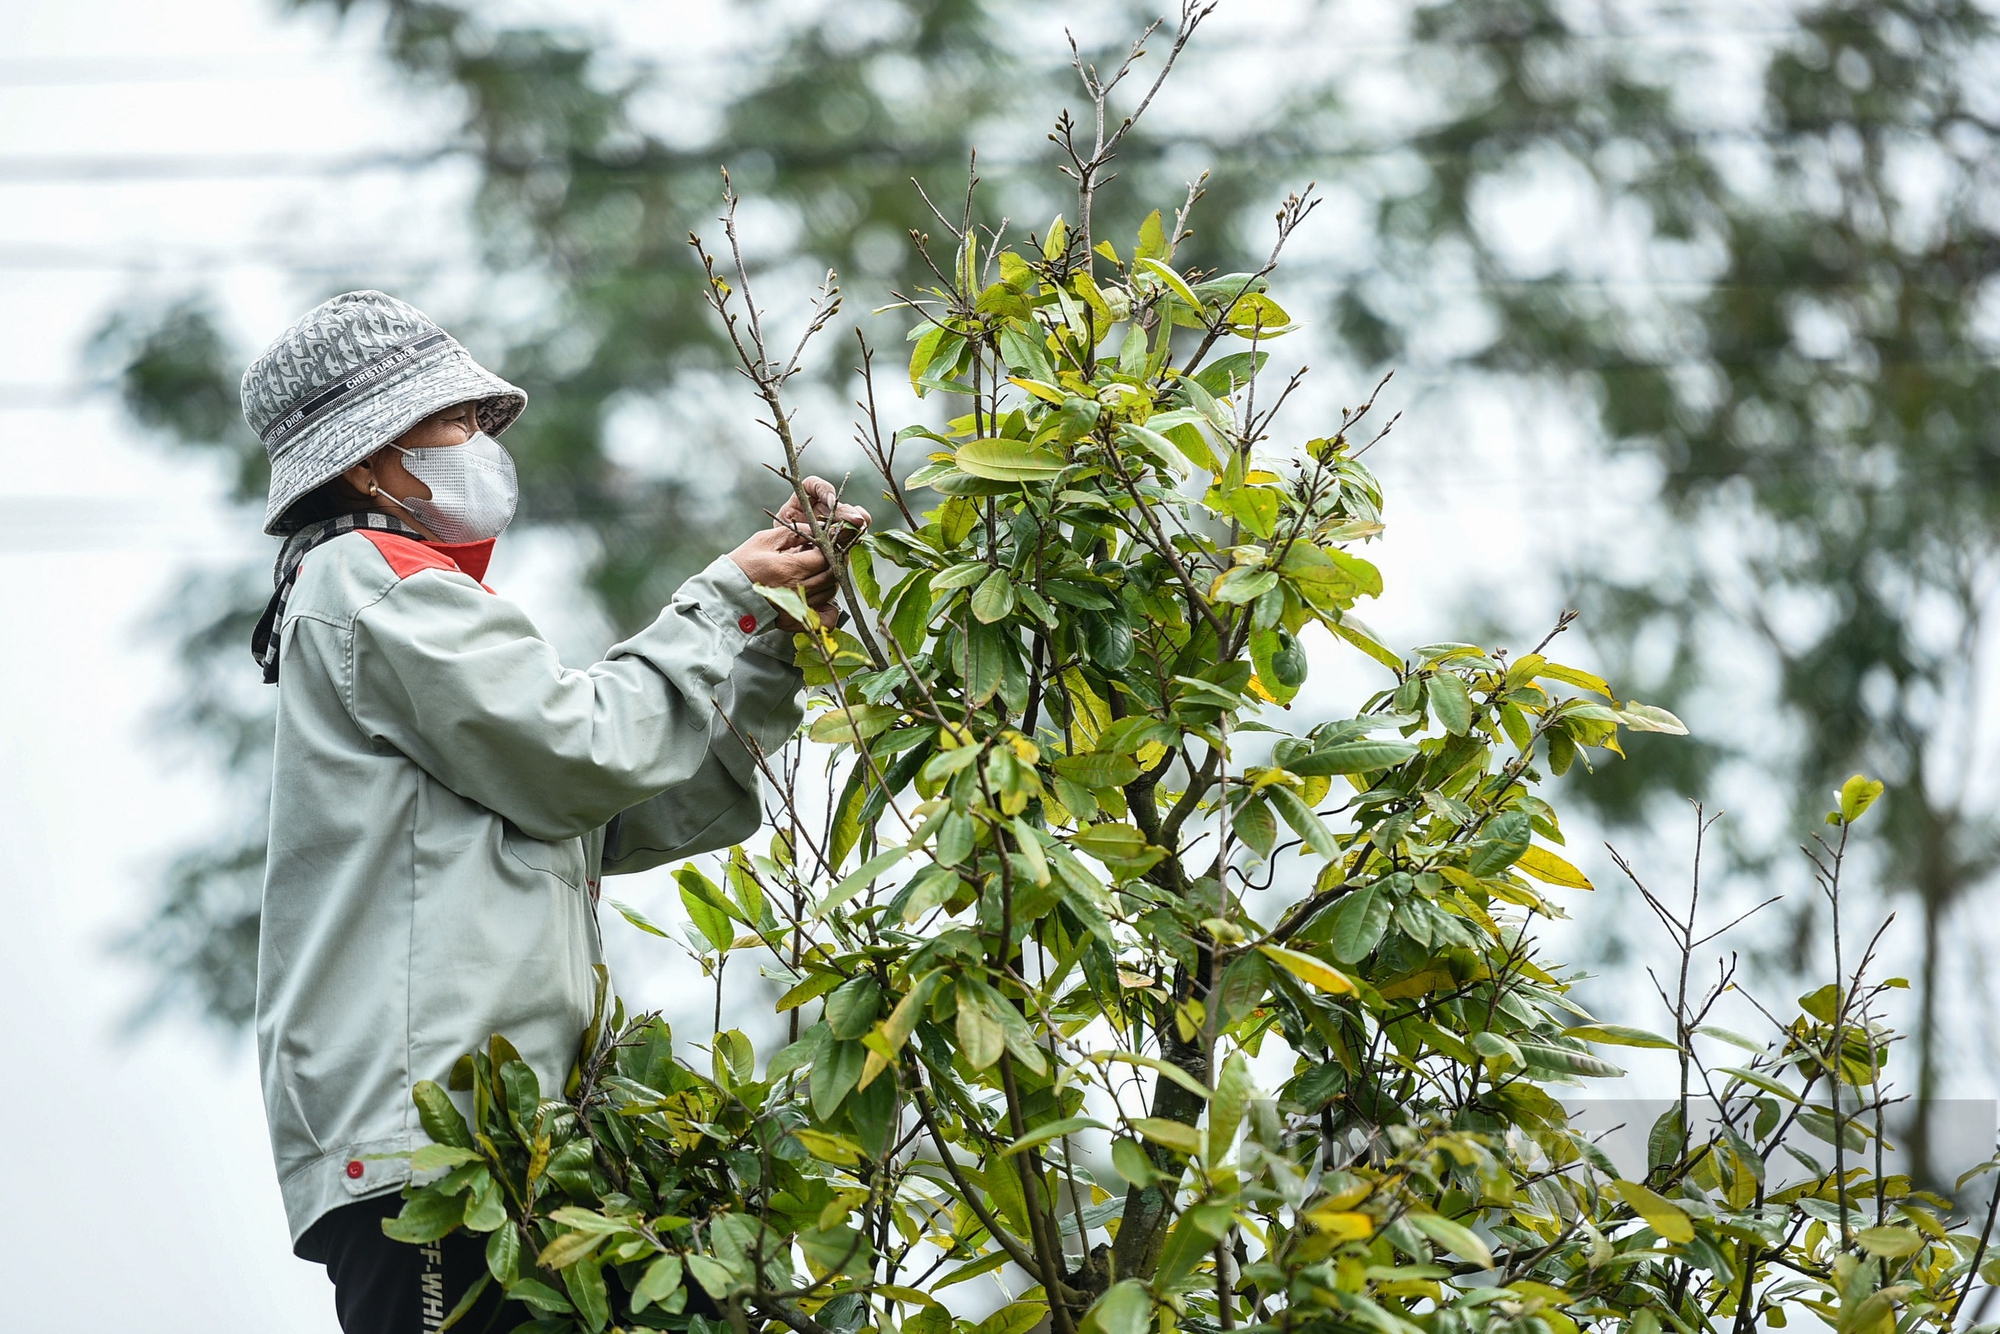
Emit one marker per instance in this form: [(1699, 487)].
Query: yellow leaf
[(1550, 869), (1322, 975), (1571, 676), (1341, 1225), (1660, 1213), (1046, 392)]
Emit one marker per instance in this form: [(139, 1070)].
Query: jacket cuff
[(727, 597)]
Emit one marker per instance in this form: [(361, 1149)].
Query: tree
[(1787, 318), (1049, 907)]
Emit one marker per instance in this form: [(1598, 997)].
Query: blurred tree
[(1815, 382), (574, 191)]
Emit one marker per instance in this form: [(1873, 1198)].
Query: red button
[(354, 1169), (746, 623)]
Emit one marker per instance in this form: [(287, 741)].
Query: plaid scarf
[(267, 638)]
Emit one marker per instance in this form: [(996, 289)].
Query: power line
[(94, 72), (110, 71), (37, 257), (53, 168)]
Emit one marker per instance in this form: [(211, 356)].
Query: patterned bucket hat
[(352, 375)]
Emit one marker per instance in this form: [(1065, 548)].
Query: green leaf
[(425, 1216), (1125, 1308), (1457, 1238), (851, 1009), (485, 1209), (432, 1157), (964, 575), (568, 1248), (1352, 757), (985, 1264), (1030, 846), (1069, 1125), (926, 348), (1159, 448), (439, 1115), (467, 1302), (835, 1074), (854, 723), (1181, 1139), (1857, 794), (1301, 817), (1359, 635), (1618, 1035), (994, 598), (1506, 839), (858, 880), (539, 1294), (1358, 924), (1015, 1318), (503, 1255), (710, 920), (1256, 826), (712, 1274), (1568, 1061), (1097, 769), (1650, 718), (1110, 842), (1175, 283), (1131, 1162), (1256, 508), (1758, 1080), (661, 1280), (1661, 1214), (1001, 460), (1243, 583), (1890, 1242), (636, 918), (1451, 702), (840, 1249), (980, 1040)]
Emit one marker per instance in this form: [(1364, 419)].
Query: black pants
[(382, 1286)]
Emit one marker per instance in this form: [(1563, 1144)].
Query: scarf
[(267, 638)]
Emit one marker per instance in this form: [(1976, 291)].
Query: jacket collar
[(472, 557)]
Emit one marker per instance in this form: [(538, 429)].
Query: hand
[(786, 558), (849, 521)]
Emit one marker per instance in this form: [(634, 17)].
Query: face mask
[(473, 489)]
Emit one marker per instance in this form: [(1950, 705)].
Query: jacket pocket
[(562, 860)]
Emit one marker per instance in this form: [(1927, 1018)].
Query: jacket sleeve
[(459, 680), (722, 803)]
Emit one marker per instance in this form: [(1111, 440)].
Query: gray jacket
[(445, 797)]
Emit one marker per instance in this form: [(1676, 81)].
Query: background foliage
[(1784, 309)]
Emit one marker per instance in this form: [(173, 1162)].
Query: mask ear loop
[(375, 489)]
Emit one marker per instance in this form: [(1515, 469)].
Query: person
[(446, 795)]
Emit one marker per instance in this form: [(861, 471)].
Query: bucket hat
[(352, 375)]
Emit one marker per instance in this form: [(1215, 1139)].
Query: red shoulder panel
[(405, 555)]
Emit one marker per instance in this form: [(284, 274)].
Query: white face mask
[(473, 489)]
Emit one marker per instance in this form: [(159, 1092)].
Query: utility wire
[(54, 168)]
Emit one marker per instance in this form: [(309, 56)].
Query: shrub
[(1081, 883)]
